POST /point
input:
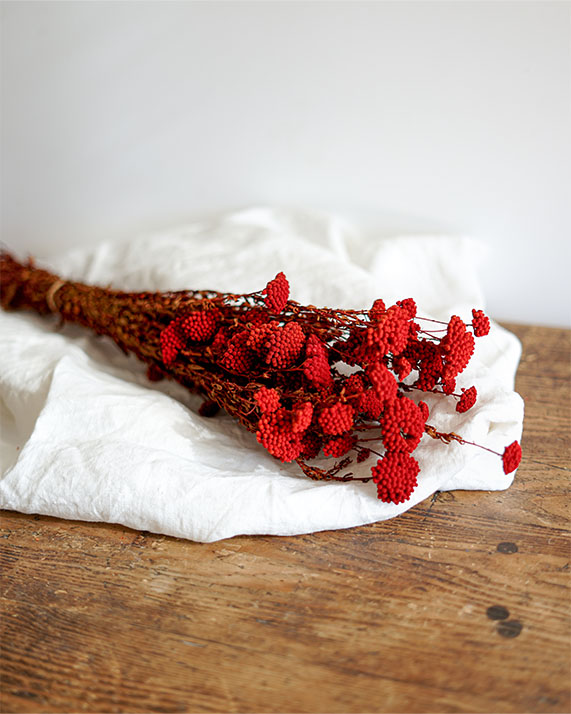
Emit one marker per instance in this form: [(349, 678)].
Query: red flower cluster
[(336, 419), (304, 402), (172, 341), (467, 400), (316, 364), (305, 380), (395, 475), (277, 293), (339, 446), (277, 433), (402, 425), (457, 348), (268, 400), (200, 325), (511, 457), (480, 323)]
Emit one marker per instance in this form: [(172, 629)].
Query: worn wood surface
[(460, 605)]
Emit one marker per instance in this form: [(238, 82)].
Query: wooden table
[(460, 605)]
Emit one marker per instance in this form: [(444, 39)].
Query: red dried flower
[(316, 366), (301, 417), (467, 400), (457, 348), (389, 333), (219, 342), (448, 386), (172, 341), (275, 434), (413, 330), (268, 400), (284, 345), (395, 475), (383, 381), (409, 307), (370, 404), (377, 309), (336, 419), (402, 425), (310, 445), (511, 457), (424, 410), (480, 323), (200, 326), (255, 316), (277, 293), (340, 446), (402, 367), (259, 337), (238, 357), (353, 387), (428, 360)]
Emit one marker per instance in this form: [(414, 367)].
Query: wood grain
[(459, 605)]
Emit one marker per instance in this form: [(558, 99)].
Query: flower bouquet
[(305, 380)]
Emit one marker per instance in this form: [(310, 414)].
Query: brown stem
[(452, 436)]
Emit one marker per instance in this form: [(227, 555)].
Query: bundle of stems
[(306, 380)]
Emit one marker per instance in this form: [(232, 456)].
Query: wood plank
[(394, 617)]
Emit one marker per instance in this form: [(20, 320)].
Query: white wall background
[(402, 117)]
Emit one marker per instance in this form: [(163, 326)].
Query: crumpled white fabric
[(86, 436)]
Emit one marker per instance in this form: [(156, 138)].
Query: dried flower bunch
[(305, 380)]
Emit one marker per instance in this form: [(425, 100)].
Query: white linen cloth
[(86, 436)]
